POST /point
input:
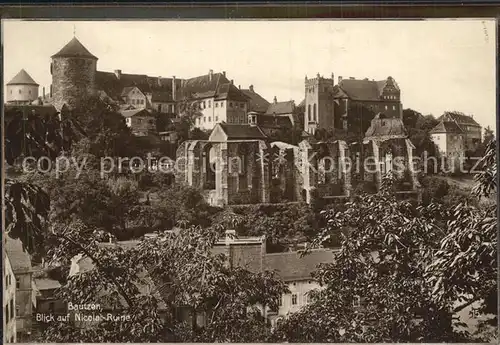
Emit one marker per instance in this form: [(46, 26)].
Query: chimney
[(340, 79), (251, 88), (173, 88), (275, 100), (50, 90), (159, 81), (224, 73), (210, 74), (43, 92), (239, 87), (118, 73), (232, 81), (352, 78)]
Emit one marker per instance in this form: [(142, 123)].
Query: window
[(222, 104), (19, 91), (159, 107), (209, 119), (17, 309), (209, 104), (216, 104), (18, 283), (29, 91), (204, 119), (386, 108), (204, 105), (11, 308), (230, 105), (314, 112), (216, 118), (294, 299), (393, 107), (309, 112), (11, 92), (7, 314)]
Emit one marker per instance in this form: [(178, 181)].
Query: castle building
[(349, 105), (22, 89)]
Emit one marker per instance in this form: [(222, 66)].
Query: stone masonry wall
[(72, 80)]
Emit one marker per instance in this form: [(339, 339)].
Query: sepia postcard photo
[(250, 181)]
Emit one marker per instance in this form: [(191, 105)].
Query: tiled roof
[(291, 266), (114, 87), (446, 127), (302, 104), (74, 48), (237, 131), (382, 127), (46, 284), (22, 78), (256, 102), (161, 96), (461, 119), (363, 90), (281, 108), (127, 89), (19, 259), (133, 112), (271, 121), (229, 91)]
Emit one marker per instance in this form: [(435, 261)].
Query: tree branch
[(97, 262), (465, 305)]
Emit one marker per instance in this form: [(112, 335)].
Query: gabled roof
[(255, 101), (238, 131), (114, 86), (134, 112), (363, 90), (291, 266), (74, 48), (19, 259), (279, 108), (230, 92), (22, 78), (203, 86), (461, 119), (384, 127), (446, 127), (126, 90)]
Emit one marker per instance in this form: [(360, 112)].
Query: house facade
[(140, 121), (9, 303), (471, 130), (451, 143), (25, 300)]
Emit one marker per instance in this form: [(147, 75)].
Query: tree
[(404, 268), (410, 118), (152, 280)]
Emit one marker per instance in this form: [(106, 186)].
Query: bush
[(434, 188)]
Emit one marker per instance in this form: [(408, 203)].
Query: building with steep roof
[(450, 142), (20, 261), (256, 102), (22, 89), (471, 130), (140, 121), (349, 104)]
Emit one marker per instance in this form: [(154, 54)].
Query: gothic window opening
[(209, 161), (314, 112)]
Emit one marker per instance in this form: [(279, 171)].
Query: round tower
[(22, 89), (73, 71)]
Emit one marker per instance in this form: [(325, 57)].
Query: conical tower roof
[(74, 49), (22, 78)]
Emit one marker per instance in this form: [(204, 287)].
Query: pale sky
[(439, 64)]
